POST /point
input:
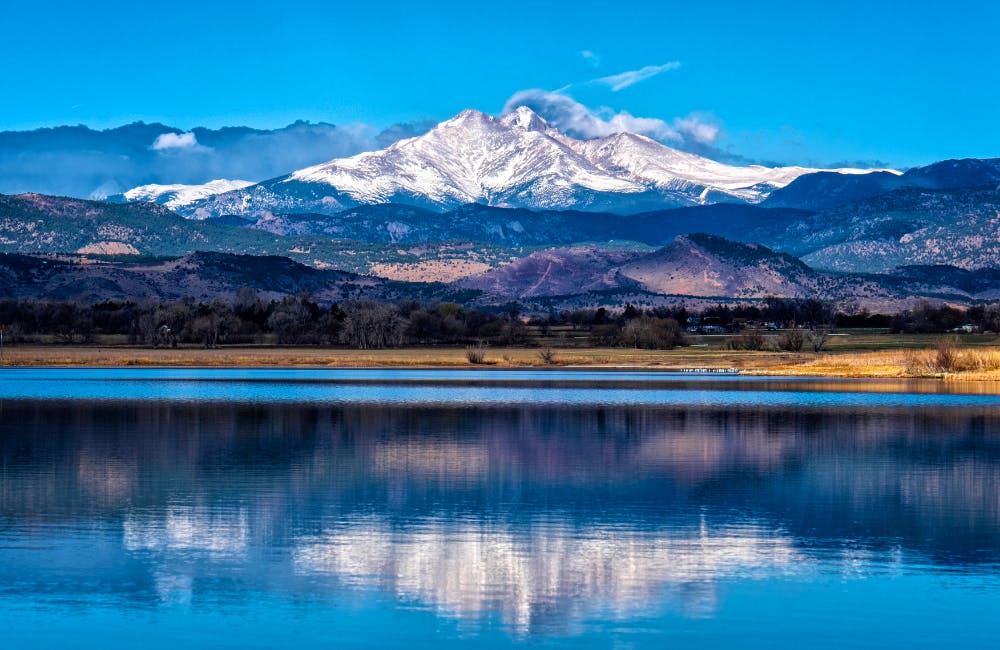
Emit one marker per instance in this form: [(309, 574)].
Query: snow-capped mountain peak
[(517, 160), (524, 118), (471, 158)]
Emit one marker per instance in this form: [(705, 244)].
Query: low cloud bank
[(82, 162)]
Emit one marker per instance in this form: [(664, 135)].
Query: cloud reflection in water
[(474, 568)]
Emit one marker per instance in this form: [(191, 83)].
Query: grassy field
[(404, 357), (850, 354)]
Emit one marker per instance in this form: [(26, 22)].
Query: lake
[(258, 508)]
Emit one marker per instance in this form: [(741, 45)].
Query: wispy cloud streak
[(624, 80), (590, 57)]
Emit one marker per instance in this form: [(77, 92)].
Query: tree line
[(300, 320), (247, 318)]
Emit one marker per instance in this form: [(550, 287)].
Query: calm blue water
[(331, 508)]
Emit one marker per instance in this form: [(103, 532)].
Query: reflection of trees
[(928, 480)]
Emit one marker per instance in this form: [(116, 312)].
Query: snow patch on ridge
[(177, 196)]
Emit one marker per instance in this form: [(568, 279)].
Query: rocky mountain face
[(33, 223), (557, 272), (201, 276), (904, 227), (515, 161), (700, 266), (690, 265), (705, 265), (393, 222)]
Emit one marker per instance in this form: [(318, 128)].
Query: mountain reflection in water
[(536, 518)]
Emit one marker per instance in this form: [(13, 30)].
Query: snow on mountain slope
[(516, 160), (178, 196), (647, 161), (470, 158)]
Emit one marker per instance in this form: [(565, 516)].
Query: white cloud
[(166, 141), (590, 57), (699, 128), (623, 80), (573, 118)]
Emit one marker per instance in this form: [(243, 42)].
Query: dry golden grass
[(430, 270), (958, 363), (981, 363), (27, 356)]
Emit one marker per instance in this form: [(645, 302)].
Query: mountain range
[(495, 209), (514, 161), (825, 190), (693, 269)]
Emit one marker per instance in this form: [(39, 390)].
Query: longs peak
[(514, 160)]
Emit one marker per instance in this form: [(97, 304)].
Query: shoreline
[(877, 364)]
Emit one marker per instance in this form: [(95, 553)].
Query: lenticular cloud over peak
[(579, 121)]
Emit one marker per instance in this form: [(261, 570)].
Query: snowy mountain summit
[(516, 160), (179, 196)]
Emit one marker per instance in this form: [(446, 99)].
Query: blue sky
[(797, 82)]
